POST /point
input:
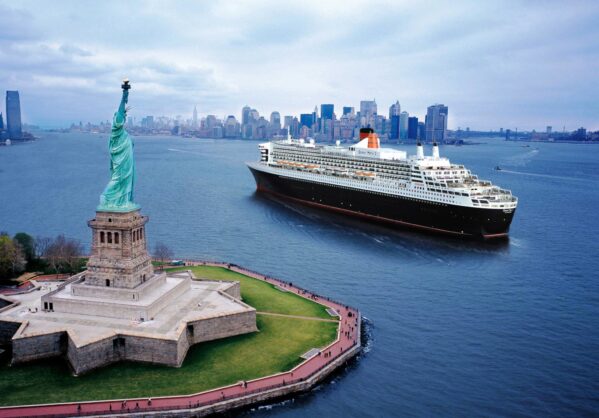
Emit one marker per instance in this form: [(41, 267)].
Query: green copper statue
[(118, 195)]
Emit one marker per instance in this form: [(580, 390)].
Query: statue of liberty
[(118, 195)]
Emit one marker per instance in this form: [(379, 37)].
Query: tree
[(162, 252), (12, 261), (63, 254), (27, 244), (41, 246)]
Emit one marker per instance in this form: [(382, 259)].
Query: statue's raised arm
[(118, 195)]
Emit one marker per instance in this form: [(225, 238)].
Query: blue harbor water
[(455, 328)]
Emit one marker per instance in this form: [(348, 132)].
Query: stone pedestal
[(119, 255), (120, 281)]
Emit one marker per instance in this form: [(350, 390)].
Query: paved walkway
[(348, 338)]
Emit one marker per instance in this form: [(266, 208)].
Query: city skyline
[(525, 66), (324, 125)]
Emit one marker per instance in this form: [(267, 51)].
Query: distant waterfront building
[(421, 131), (275, 124), (13, 115), (211, 121), (326, 111), (348, 110), (287, 121), (436, 123), (294, 128), (307, 119), (580, 134), (403, 125), (394, 112), (413, 127), (275, 120), (1, 122), (549, 130), (394, 134), (194, 121), (232, 127), (395, 109), (245, 115), (147, 122), (367, 108), (368, 112)]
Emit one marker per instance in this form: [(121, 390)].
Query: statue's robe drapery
[(118, 195)]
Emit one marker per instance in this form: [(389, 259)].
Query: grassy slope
[(275, 348), (262, 296)]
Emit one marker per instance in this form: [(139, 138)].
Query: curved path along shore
[(301, 378)]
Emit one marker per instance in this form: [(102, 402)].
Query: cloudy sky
[(495, 64)]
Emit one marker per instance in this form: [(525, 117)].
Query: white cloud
[(496, 64)]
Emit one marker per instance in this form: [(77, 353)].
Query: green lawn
[(261, 295), (275, 348)]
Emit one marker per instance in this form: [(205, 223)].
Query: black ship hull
[(391, 210)]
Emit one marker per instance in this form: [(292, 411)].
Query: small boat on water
[(497, 168)]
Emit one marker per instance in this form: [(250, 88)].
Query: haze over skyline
[(495, 64)]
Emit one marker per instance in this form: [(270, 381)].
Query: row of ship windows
[(403, 173), (362, 164), (335, 163), (442, 191), (449, 192), (425, 195), (290, 150), (401, 170), (366, 163), (385, 170)]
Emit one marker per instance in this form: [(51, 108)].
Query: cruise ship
[(385, 185)]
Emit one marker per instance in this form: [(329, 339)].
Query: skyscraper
[(245, 115), (326, 111), (367, 108), (394, 127), (395, 109), (394, 112), (307, 119), (288, 120), (403, 125), (421, 131), (1, 122), (368, 113), (275, 123), (348, 110), (231, 128), (13, 115), (194, 121), (275, 119), (413, 127), (436, 123)]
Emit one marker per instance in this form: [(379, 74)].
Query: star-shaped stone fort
[(120, 308)]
